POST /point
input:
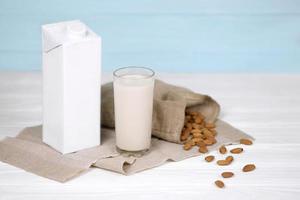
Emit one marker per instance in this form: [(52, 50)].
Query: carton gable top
[(57, 34)]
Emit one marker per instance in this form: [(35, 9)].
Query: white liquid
[(133, 100)]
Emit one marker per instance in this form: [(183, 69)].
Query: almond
[(188, 145), (222, 149), (207, 133), (196, 126), (185, 135), (219, 183), (210, 125), (236, 150), (201, 116), (208, 141), (227, 174), (223, 162), (198, 120), (246, 142), (213, 132), (197, 135), (249, 168), (193, 113), (196, 140), (209, 158), (196, 131), (188, 117), (189, 126), (203, 149), (212, 139), (201, 144), (229, 159)]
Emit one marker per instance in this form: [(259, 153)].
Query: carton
[(71, 86)]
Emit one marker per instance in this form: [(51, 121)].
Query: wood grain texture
[(168, 35), (265, 106)]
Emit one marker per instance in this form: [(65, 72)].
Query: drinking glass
[(133, 105)]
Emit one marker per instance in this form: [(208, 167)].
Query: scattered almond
[(229, 158), (246, 142), (236, 150), (222, 149), (223, 162), (197, 131), (227, 174), (227, 161), (249, 168), (209, 158), (219, 183)]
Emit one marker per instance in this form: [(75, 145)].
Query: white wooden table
[(265, 106)]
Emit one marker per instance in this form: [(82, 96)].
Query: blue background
[(167, 35)]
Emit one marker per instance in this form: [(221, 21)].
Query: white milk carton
[(71, 86)]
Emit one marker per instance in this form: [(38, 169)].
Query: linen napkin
[(27, 151)]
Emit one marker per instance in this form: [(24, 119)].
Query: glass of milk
[(133, 101)]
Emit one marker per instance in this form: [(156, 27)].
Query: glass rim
[(152, 73)]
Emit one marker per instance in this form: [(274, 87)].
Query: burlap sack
[(169, 106), (27, 151)]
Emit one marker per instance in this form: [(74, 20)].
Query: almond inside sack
[(169, 106)]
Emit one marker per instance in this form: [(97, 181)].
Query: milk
[(133, 101), (71, 86)]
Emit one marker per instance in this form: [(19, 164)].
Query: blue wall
[(167, 35)]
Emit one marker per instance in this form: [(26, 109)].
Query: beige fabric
[(27, 151)]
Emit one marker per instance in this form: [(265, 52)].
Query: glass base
[(132, 153)]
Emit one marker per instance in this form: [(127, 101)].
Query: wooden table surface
[(267, 106)]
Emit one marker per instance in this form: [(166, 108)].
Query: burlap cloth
[(27, 151)]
